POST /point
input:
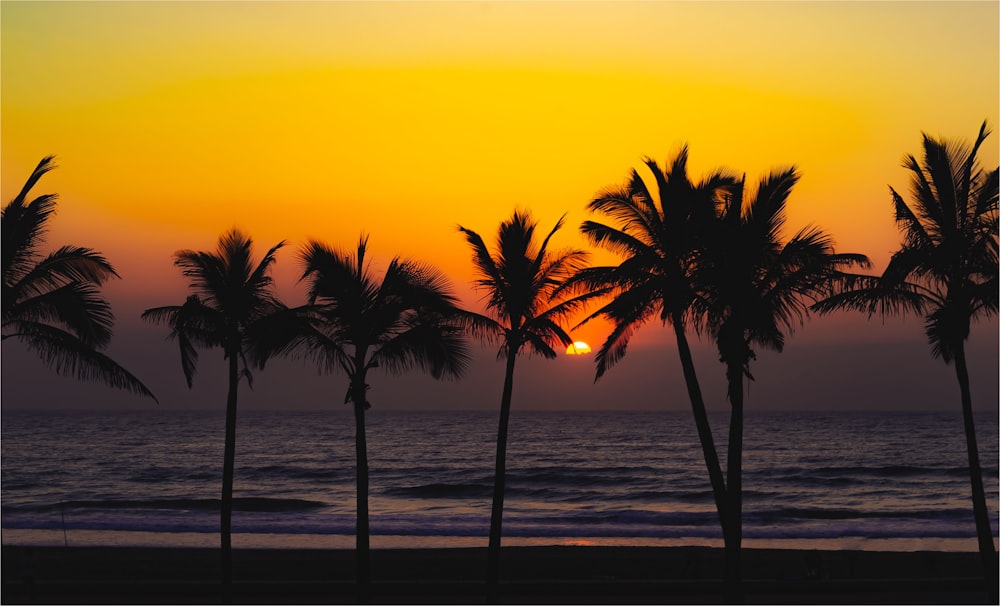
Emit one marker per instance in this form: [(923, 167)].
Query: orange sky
[(174, 121)]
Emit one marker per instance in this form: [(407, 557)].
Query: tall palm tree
[(231, 300), (53, 304), (660, 237), (946, 271), (522, 280), (753, 288), (407, 319)]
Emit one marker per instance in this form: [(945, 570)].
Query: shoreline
[(554, 574), (242, 540)]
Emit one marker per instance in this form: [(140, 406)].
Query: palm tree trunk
[(701, 421), (499, 484), (228, 466), (734, 485), (362, 547), (987, 550)]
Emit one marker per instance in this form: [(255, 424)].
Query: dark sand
[(535, 575)]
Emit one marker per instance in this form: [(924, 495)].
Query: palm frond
[(234, 250), (540, 343), (913, 264), (557, 269), (485, 266), (946, 326), (206, 272), (948, 256), (913, 229), (873, 296), (969, 173), (628, 309), (282, 332), (193, 324), (44, 165), (68, 355), (752, 287), (984, 194), (983, 297), (599, 281), (24, 222), (331, 274), (614, 240), (431, 344), (259, 282), (626, 205), (616, 343), (66, 265), (525, 285), (22, 230), (938, 165), (661, 245), (924, 196), (77, 306), (328, 351), (540, 255), (233, 304), (54, 304), (481, 327), (160, 315), (765, 213), (407, 319)]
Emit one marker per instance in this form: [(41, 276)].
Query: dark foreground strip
[(909, 591)]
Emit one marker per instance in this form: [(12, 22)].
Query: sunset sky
[(175, 121)]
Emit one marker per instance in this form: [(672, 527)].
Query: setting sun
[(578, 348)]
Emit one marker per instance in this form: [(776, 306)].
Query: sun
[(578, 348)]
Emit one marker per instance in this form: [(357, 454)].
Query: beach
[(529, 575)]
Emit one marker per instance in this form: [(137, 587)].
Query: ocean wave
[(262, 504), (443, 491), (157, 475), (432, 526), (293, 472), (580, 490), (788, 513), (869, 471)]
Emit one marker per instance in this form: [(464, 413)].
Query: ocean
[(877, 481)]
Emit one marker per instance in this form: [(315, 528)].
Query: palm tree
[(522, 281), (408, 319), (53, 304), (946, 271), (660, 237), (752, 289), (230, 302)]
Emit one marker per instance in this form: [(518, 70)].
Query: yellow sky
[(173, 121)]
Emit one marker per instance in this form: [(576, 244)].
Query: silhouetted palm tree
[(53, 304), (661, 238), (523, 310), (231, 300), (408, 319), (945, 270), (752, 289)]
